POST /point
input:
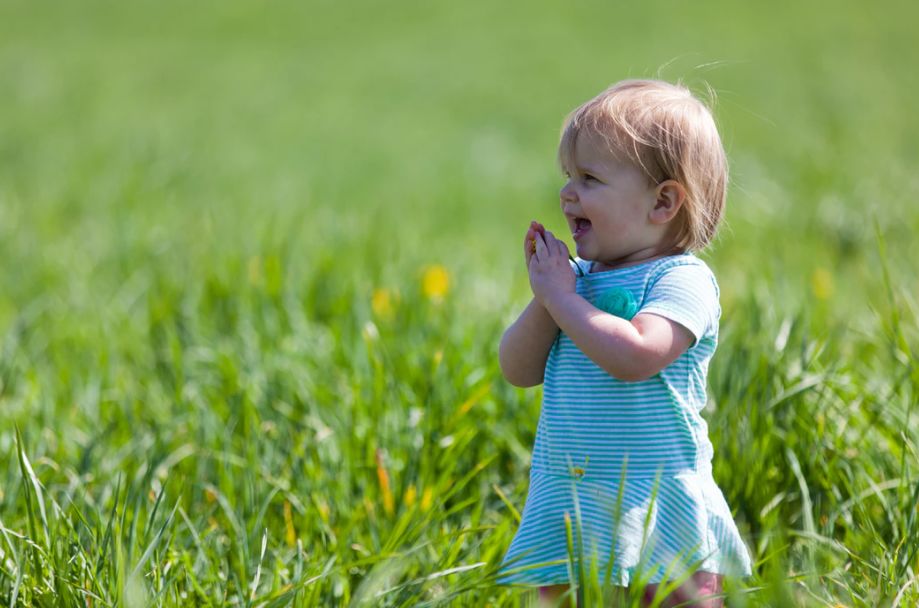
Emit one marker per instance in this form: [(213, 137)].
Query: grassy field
[(257, 258)]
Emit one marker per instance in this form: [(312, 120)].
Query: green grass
[(197, 203)]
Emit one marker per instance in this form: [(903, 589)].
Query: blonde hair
[(669, 134)]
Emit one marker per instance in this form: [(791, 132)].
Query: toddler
[(621, 337)]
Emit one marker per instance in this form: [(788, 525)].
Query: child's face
[(608, 204)]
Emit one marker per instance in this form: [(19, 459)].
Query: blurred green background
[(199, 200), (429, 129)]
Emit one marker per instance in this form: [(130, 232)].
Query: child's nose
[(567, 193)]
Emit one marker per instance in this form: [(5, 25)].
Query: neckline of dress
[(624, 269)]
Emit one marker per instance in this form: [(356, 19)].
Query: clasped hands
[(547, 258)]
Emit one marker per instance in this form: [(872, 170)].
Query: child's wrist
[(555, 302)]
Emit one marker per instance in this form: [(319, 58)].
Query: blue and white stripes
[(595, 430)]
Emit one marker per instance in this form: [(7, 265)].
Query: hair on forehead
[(631, 118), (669, 134)]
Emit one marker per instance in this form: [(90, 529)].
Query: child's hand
[(548, 266), (529, 243)]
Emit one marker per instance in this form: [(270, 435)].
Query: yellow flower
[(323, 508), (435, 283), (410, 495), (383, 478), (822, 284), (290, 534), (426, 499), (381, 302)]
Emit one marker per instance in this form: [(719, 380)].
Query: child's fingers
[(562, 248), (555, 246), (529, 243), (542, 250), (534, 229)]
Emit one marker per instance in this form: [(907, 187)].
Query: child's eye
[(590, 178)]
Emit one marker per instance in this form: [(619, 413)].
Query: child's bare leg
[(551, 596), (694, 593)]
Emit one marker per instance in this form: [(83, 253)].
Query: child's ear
[(669, 197)]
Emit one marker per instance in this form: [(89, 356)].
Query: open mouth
[(581, 226)]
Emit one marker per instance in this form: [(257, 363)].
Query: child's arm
[(525, 345), (628, 350)]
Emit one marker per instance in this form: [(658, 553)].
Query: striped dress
[(621, 475)]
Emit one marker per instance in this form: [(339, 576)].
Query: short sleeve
[(686, 294)]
